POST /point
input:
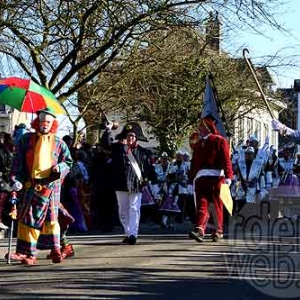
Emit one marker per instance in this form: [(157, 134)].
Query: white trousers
[(129, 211)]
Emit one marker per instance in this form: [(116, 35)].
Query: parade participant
[(131, 170), (263, 151), (162, 168), (286, 163), (103, 201), (178, 178), (6, 154), (286, 131), (75, 205), (167, 205), (4, 190), (69, 141), (84, 188), (288, 180), (186, 157), (5, 163), (18, 132), (297, 164), (253, 142), (41, 162), (272, 176), (288, 184), (250, 179), (189, 205), (210, 166)]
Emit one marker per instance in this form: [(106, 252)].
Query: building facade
[(10, 117)]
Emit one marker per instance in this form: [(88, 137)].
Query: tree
[(163, 84), (66, 44)]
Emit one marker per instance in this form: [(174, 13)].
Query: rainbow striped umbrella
[(27, 96)]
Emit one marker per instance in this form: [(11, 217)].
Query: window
[(257, 129), (249, 127)]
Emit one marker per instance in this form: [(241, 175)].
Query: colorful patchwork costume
[(36, 156)]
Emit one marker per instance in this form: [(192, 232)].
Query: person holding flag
[(210, 167)]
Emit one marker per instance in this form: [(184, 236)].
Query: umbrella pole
[(11, 230), (13, 214)]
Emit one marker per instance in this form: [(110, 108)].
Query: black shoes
[(196, 236), (130, 240), (216, 237), (125, 241)]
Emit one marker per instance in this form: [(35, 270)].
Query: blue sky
[(285, 44)]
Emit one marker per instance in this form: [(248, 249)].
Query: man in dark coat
[(104, 200), (132, 168)]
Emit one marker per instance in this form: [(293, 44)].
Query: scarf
[(42, 161)]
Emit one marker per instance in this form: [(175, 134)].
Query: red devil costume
[(210, 166)]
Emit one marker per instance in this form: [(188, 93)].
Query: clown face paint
[(46, 122)]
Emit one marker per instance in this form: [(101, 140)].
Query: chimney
[(212, 31)]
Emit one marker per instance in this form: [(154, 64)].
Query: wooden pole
[(257, 83)]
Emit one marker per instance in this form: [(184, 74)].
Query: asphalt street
[(164, 264)]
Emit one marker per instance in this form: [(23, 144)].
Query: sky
[(286, 45)]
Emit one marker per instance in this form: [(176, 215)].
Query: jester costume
[(32, 165)]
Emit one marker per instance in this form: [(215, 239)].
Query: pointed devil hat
[(210, 124)]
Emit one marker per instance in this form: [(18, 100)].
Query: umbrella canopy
[(27, 96)]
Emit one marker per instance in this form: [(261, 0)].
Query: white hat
[(164, 154), (179, 152)]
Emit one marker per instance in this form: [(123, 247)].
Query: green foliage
[(69, 45), (164, 83)]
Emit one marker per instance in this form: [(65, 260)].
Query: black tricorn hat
[(135, 128)]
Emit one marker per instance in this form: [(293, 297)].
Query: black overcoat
[(124, 176)]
